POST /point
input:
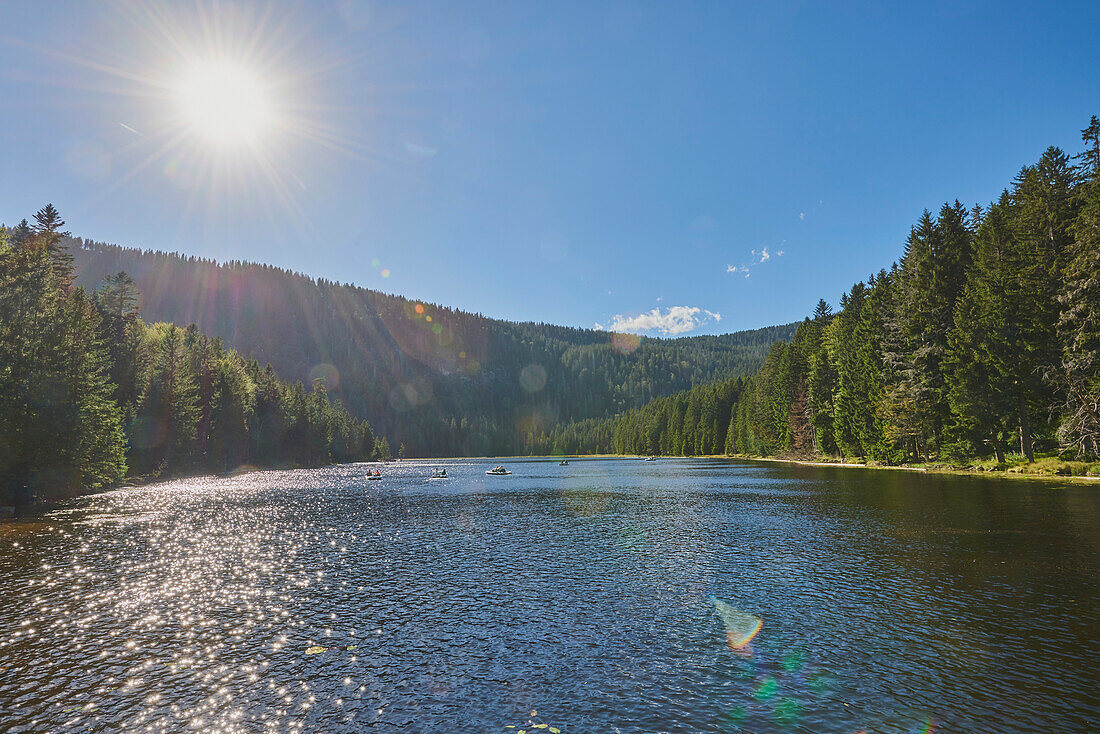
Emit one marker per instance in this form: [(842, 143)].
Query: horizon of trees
[(443, 382)]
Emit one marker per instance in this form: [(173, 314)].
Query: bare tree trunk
[(1025, 433)]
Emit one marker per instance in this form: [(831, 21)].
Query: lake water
[(575, 597)]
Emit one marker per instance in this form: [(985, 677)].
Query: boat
[(498, 471), (375, 475), (439, 474), (563, 462), (651, 458)]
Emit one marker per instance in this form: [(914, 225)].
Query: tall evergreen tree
[(46, 233), (1079, 318)]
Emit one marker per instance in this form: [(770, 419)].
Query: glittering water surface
[(575, 597)]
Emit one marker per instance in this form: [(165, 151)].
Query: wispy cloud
[(758, 258), (124, 126), (802, 215), (671, 322)]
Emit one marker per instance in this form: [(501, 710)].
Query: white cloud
[(758, 258), (676, 320), (802, 215)]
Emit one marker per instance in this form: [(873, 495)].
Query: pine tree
[(60, 429), (1079, 319), (46, 233), (931, 278), (994, 378)]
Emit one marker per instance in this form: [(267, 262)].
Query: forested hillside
[(690, 423), (437, 380), (984, 339), (89, 393)]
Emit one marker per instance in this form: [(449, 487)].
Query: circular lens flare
[(224, 102)]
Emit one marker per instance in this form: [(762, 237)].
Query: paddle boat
[(498, 471), (439, 474), (563, 462), (375, 475)]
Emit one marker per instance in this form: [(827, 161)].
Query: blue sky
[(575, 163)]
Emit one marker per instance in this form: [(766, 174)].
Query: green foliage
[(440, 381), (60, 429), (88, 391), (695, 422)]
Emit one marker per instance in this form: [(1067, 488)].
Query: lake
[(575, 597)]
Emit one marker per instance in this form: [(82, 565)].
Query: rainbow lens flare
[(741, 627)]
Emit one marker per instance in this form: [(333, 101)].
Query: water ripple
[(573, 597)]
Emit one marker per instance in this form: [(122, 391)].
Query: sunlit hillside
[(440, 381)]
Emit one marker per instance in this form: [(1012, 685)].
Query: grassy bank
[(1044, 468)]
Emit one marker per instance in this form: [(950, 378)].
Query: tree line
[(441, 381), (90, 394), (983, 340)]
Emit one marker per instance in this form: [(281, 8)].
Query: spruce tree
[(1079, 318), (46, 233)]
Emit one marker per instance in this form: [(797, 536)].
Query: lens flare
[(741, 627)]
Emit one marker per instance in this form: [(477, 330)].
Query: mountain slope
[(439, 380)]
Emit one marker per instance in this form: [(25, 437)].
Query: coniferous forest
[(983, 341), (90, 394), (437, 380)]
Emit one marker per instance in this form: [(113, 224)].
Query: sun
[(224, 103)]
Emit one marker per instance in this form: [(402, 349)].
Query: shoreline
[(929, 470), (1084, 480), (7, 511), (940, 470)]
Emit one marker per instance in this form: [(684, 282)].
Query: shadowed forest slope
[(438, 380)]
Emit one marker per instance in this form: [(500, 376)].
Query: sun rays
[(227, 102)]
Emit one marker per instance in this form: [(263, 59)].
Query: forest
[(90, 394), (982, 341), (436, 380)]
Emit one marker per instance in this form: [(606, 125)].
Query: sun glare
[(224, 103)]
